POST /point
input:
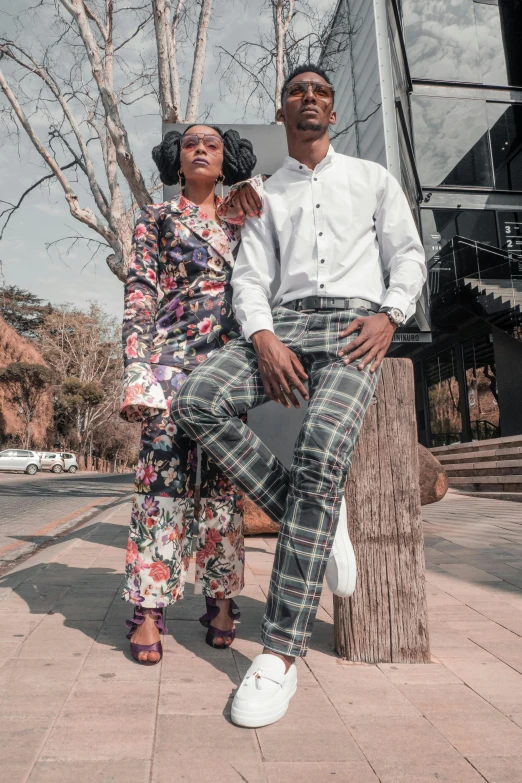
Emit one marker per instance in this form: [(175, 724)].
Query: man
[(310, 293)]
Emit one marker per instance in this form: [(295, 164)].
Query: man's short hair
[(306, 68)]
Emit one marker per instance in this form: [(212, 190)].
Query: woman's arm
[(141, 290), (244, 199), (142, 395)]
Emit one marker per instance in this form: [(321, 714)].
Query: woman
[(177, 312)]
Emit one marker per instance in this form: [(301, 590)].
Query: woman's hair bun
[(239, 159), (166, 156)]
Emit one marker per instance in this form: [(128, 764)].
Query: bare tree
[(299, 33), (79, 87), (302, 31)]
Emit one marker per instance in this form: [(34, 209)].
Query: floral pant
[(160, 537)]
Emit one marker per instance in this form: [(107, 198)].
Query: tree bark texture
[(386, 619)]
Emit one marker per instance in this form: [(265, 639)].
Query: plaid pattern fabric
[(305, 499)]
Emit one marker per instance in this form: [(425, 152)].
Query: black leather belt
[(311, 303)]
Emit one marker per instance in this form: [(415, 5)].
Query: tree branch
[(355, 122), (84, 215), (13, 207), (115, 125), (199, 62), (161, 13), (7, 47)]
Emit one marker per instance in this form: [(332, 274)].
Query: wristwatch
[(395, 315)]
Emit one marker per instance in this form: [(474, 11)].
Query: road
[(34, 509)]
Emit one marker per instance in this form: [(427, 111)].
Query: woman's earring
[(181, 178), (221, 179)]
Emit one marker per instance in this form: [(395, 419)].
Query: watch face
[(396, 315)]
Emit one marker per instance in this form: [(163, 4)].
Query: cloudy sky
[(50, 272)]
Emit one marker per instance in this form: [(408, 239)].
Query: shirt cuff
[(141, 395), (256, 324), (232, 214), (394, 299)]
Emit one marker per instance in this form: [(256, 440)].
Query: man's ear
[(333, 118), (280, 115)]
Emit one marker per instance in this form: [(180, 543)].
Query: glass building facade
[(465, 63), (453, 69)]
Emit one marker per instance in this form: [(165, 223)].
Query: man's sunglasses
[(324, 92), (190, 141)]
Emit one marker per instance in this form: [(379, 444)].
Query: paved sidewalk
[(75, 709)]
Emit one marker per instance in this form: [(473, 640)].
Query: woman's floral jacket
[(178, 296)]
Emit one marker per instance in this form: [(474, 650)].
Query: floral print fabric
[(178, 312), (160, 537), (141, 395), (178, 297)]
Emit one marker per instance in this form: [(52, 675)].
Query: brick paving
[(74, 708)]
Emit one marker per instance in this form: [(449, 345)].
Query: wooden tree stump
[(386, 618)]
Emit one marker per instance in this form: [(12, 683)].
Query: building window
[(443, 399), (481, 383), (505, 124), (439, 226), (451, 142), (466, 41)]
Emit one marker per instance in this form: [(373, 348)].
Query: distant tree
[(117, 440), (76, 402), (22, 310), (84, 349), (25, 384)]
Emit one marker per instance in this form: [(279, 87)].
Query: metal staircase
[(496, 295), (469, 278)]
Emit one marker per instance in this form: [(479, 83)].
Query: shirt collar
[(295, 165)]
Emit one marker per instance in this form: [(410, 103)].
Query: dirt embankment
[(14, 348)]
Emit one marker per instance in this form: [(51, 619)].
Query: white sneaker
[(341, 571), (264, 695)]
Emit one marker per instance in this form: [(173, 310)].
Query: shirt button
[(315, 179), (317, 205), (320, 233), (300, 167), (322, 260), (321, 286)]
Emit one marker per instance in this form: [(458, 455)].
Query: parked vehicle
[(52, 461), (70, 461), (20, 459)]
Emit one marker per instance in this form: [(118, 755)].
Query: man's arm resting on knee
[(281, 371)]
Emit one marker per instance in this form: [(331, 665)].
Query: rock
[(256, 521), (433, 479), (433, 483)]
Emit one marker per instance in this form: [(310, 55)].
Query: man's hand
[(281, 371), (247, 201), (375, 336)]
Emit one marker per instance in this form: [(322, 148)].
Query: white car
[(70, 461), (20, 459), (51, 460)]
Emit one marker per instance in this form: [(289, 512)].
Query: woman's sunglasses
[(212, 143), (324, 92)]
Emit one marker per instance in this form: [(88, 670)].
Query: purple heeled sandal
[(216, 633), (139, 619)]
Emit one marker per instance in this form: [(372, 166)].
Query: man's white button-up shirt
[(336, 231)]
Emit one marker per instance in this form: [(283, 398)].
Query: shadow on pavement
[(88, 598)]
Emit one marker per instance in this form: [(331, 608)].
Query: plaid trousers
[(306, 498)]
